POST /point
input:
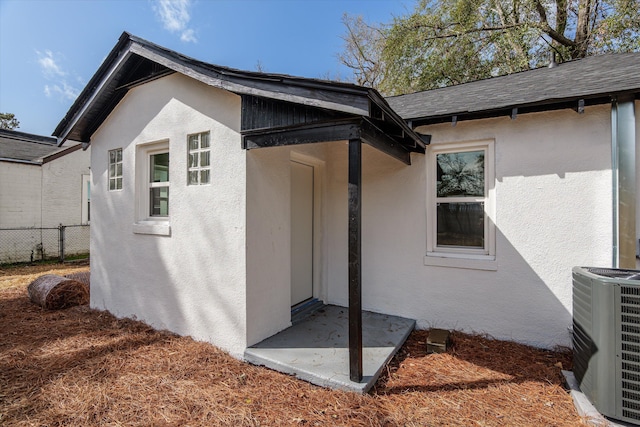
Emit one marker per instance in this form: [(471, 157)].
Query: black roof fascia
[(329, 131), (109, 85), (551, 105), (30, 137), (89, 93)]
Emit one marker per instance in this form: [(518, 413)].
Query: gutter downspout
[(623, 167)]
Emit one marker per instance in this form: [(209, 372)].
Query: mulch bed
[(81, 367)]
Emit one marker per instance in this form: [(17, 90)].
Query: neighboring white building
[(41, 186), (222, 198)]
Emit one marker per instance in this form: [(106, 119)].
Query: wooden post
[(355, 258)]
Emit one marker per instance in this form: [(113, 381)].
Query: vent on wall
[(606, 339)]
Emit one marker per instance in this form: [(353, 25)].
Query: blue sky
[(49, 49)]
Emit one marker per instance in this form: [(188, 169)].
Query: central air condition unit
[(606, 339)]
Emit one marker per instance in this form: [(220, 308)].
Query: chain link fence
[(40, 244)]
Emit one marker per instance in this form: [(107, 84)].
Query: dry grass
[(80, 367)]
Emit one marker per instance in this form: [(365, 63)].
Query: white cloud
[(175, 17), (54, 73), (48, 64), (63, 90), (188, 36)]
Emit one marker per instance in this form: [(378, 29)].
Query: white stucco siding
[(553, 211), (269, 235), (193, 281)]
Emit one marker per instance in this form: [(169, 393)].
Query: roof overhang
[(134, 61), (361, 128), (576, 103)]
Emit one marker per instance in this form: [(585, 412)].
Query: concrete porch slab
[(317, 349)]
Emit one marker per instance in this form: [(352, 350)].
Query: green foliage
[(447, 42), (8, 121)]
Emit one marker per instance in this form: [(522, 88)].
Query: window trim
[(199, 150), (474, 258), (85, 210), (115, 176), (146, 223)]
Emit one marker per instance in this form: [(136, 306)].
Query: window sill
[(158, 228), (471, 262)]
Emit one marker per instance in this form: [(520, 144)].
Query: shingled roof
[(25, 147), (594, 80)]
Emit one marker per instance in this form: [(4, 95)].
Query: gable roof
[(595, 79), (25, 147), (134, 61)]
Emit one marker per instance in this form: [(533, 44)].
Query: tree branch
[(544, 26)]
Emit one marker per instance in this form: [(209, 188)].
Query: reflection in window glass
[(159, 199), (460, 196), (160, 167), (460, 225), (460, 174), (159, 184)]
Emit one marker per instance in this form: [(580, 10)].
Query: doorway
[(302, 232)]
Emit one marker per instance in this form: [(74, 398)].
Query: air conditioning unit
[(606, 339)]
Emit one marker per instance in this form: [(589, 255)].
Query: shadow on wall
[(191, 282), (169, 285), (540, 236)]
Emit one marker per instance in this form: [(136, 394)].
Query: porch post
[(355, 256)]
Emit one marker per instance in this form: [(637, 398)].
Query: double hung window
[(159, 184), (460, 207), (152, 189)]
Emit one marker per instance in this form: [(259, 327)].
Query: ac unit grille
[(631, 377), (630, 346), (582, 331), (631, 357), (631, 338), (631, 329), (612, 272), (629, 367)]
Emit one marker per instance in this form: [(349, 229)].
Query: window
[(152, 189), (86, 200), (159, 184), (460, 211), (199, 159), (115, 169)]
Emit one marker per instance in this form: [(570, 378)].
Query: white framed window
[(461, 205), (115, 169), (159, 184), (152, 189), (86, 199), (199, 162)]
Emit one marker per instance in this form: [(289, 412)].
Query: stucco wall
[(269, 235), (193, 281), (553, 212)]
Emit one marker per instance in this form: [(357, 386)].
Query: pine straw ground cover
[(80, 367)]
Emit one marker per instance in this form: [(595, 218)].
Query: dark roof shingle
[(593, 78), (25, 146)]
